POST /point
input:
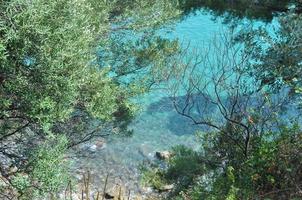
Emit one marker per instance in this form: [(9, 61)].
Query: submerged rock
[(101, 144), (146, 151), (95, 146)]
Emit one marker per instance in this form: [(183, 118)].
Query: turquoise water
[(199, 28), (157, 127)]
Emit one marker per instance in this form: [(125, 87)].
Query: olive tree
[(50, 75)]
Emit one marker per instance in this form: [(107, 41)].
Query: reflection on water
[(237, 9)]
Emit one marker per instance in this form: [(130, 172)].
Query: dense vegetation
[(54, 80), (68, 70)]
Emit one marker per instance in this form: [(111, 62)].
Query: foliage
[(277, 62), (183, 166), (251, 146), (269, 173), (51, 78), (47, 172), (150, 54), (152, 177)]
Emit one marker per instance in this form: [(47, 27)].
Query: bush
[(153, 177), (47, 170), (272, 170)]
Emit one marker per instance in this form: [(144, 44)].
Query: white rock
[(167, 187)]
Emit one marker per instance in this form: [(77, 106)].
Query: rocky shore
[(114, 177)]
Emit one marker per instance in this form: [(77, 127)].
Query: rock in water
[(93, 148), (163, 155), (145, 150), (167, 188), (100, 144), (13, 170)]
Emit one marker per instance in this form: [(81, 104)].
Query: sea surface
[(157, 126)]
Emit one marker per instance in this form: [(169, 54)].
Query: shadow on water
[(176, 123), (204, 109), (237, 9)]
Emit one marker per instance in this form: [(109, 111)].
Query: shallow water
[(157, 127)]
